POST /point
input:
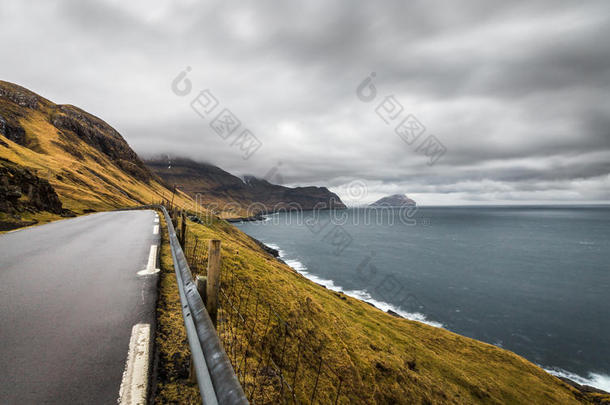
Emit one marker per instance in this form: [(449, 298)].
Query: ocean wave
[(361, 295), (596, 380)]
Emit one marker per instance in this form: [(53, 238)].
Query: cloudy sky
[(516, 94)]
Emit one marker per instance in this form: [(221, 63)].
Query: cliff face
[(396, 200), (219, 187)]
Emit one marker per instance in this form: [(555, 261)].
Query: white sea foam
[(362, 295), (594, 379), (276, 247)]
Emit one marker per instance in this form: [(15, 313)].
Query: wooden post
[(174, 217), (213, 281), (183, 231)]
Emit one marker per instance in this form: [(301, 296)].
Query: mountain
[(214, 187), (58, 160), (395, 200)]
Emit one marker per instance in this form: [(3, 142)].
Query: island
[(395, 200)]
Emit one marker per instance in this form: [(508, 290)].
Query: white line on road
[(152, 261), (135, 377), (156, 230), (156, 220)]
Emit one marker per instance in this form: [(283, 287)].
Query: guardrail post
[(200, 283), (213, 280), (183, 231)]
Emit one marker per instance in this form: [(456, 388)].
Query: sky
[(491, 102)]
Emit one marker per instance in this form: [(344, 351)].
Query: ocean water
[(533, 280)]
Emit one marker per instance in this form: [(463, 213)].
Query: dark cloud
[(516, 91)]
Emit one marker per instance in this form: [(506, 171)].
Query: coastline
[(261, 216), (583, 384), (361, 295)]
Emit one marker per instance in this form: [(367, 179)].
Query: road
[(70, 295)]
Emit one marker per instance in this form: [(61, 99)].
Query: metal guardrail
[(217, 381)]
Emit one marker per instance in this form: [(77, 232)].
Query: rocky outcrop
[(396, 200), (102, 137), (12, 131), (19, 95), (21, 190)]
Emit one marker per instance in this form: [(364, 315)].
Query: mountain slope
[(382, 359), (86, 163), (217, 187)]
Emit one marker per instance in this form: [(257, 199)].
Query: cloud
[(516, 91)]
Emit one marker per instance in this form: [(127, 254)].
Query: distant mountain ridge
[(395, 200), (217, 186)]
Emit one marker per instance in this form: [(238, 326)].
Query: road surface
[(70, 296)]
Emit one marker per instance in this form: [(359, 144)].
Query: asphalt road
[(69, 298)]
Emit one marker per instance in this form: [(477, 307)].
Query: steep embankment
[(60, 160), (215, 188), (382, 359)]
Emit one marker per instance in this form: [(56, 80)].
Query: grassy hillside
[(88, 164), (383, 359)]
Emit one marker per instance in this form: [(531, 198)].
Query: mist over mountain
[(212, 185)]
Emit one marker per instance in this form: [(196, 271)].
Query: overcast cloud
[(517, 92)]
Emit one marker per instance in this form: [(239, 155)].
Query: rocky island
[(395, 200)]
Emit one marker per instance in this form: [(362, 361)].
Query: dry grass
[(173, 385), (382, 359), (83, 177)]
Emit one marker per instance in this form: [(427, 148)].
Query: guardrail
[(217, 381)]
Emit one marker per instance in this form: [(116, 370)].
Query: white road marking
[(135, 377), (156, 230), (156, 220), (152, 261)]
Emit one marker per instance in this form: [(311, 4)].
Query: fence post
[(183, 231), (174, 217), (213, 279)]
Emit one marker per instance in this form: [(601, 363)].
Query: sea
[(531, 279)]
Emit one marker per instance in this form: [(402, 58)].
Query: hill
[(381, 358), (216, 188), (395, 200), (58, 160)]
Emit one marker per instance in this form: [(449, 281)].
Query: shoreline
[(261, 215), (578, 382), (361, 295)]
